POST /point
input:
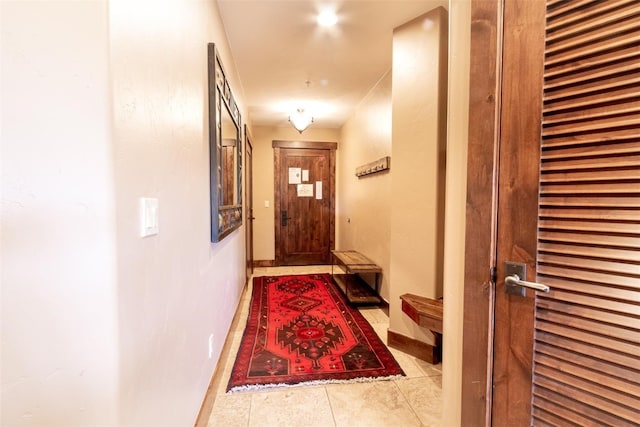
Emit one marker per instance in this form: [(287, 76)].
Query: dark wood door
[(304, 205), (565, 163), (249, 201)]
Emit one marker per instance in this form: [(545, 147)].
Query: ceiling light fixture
[(327, 19), (300, 120)]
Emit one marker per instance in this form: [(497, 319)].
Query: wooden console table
[(356, 289)]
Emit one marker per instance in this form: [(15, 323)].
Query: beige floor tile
[(231, 411), (224, 379), (370, 404), (225, 366), (374, 315), (381, 331), (407, 363), (425, 397), (429, 369), (308, 406)]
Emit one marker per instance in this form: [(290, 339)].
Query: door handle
[(284, 218), (514, 280), (513, 285)]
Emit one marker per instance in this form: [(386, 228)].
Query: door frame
[(248, 164), (317, 145), (481, 212), (491, 138)]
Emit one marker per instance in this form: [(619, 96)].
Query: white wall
[(59, 344), (104, 103), (176, 288)]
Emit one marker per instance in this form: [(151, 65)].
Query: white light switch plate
[(149, 216)]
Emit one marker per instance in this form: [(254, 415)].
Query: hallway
[(412, 401), (116, 303)]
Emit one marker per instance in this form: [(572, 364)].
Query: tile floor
[(414, 400)]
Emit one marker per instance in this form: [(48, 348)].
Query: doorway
[(304, 206)]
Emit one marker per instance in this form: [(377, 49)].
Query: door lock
[(284, 218)]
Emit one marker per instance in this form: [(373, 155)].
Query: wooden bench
[(426, 312), (356, 289)]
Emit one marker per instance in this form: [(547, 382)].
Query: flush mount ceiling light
[(327, 18), (300, 120)]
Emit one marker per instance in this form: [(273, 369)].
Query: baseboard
[(265, 263), (384, 306), (419, 349), (210, 396)]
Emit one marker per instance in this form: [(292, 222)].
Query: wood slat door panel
[(560, 18), (602, 412), (570, 261), (578, 348), (587, 331), (587, 361), (601, 316)]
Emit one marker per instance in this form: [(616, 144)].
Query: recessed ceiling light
[(327, 18)]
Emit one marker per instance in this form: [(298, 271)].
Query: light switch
[(148, 216), (266, 203)]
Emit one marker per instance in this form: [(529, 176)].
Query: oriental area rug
[(301, 331)]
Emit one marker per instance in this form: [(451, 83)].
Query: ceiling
[(286, 61)]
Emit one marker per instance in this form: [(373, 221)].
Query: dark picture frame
[(225, 151)]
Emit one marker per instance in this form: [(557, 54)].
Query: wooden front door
[(567, 172), (248, 164), (304, 202)]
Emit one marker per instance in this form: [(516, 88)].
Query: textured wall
[(363, 219), (175, 289), (418, 162), (59, 348), (104, 103)]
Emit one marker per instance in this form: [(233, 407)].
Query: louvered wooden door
[(587, 329), (585, 363)]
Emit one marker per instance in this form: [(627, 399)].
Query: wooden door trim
[(481, 211), (319, 145), (316, 145), (249, 262)]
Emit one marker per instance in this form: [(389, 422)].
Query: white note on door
[(305, 190), (319, 190), (294, 175)]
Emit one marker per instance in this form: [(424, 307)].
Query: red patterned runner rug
[(300, 330)]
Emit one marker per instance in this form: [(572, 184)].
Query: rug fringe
[(259, 387)]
